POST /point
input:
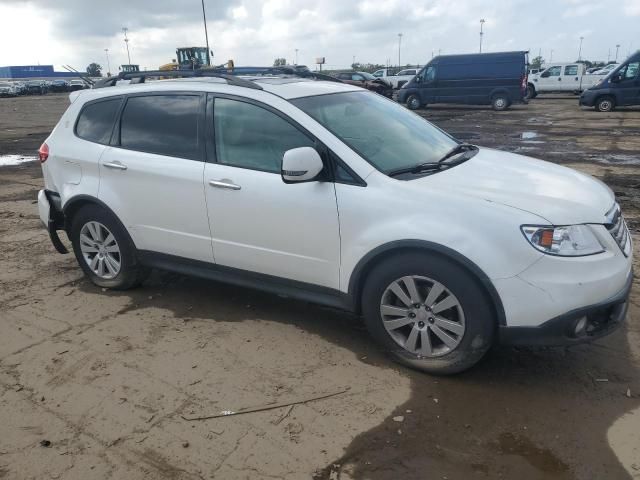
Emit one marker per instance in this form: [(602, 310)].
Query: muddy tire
[(500, 102), (413, 102), (104, 250), (531, 92), (605, 104), (428, 312)]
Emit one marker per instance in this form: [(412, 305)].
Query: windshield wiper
[(460, 148), (440, 164), (422, 167)]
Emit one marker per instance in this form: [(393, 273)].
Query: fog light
[(581, 326)]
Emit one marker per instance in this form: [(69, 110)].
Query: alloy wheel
[(100, 250), (422, 316)]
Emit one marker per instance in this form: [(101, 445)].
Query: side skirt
[(244, 278)]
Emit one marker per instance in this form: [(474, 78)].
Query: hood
[(382, 82), (558, 194)]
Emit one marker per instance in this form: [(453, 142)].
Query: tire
[(500, 102), (605, 104), (413, 102), (473, 314), (531, 92), (88, 225)]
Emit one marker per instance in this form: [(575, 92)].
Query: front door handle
[(224, 183), (116, 165)]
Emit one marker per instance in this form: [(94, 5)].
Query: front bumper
[(588, 98), (577, 326)]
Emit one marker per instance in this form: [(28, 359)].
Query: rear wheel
[(531, 92), (104, 250), (500, 102), (413, 102), (428, 312), (605, 104)]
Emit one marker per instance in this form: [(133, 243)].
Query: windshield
[(384, 133), (368, 76)]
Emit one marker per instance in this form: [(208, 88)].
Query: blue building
[(34, 71)]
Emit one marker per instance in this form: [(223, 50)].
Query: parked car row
[(39, 87)]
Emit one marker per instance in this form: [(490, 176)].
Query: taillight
[(524, 82), (43, 153)]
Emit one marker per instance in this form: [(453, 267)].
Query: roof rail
[(230, 75), (140, 77)]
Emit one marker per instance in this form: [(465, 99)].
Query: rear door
[(152, 174), (570, 78), (258, 222)]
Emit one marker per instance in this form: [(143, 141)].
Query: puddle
[(540, 458), (528, 135), (616, 159), (9, 160)]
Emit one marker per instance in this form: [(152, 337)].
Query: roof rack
[(230, 75)]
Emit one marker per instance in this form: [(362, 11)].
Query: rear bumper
[(577, 326), (51, 215)]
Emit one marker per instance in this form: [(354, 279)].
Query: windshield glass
[(381, 131), (368, 76)]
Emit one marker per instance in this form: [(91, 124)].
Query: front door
[(151, 176), (258, 222), (629, 84), (550, 79)]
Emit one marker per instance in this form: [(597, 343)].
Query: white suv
[(328, 193)]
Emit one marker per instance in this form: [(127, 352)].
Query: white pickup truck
[(561, 77), (396, 80)]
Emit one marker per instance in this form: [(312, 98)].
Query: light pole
[(399, 45), (580, 49), (106, 50), (126, 42), (206, 34), (617, 48), (551, 56), (481, 33), (296, 57)]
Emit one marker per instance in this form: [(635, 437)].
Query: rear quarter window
[(95, 122)]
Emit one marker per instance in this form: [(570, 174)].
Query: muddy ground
[(100, 384)]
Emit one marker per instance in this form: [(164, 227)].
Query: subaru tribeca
[(331, 194)]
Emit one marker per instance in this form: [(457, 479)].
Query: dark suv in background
[(368, 81)]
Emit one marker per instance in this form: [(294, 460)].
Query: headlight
[(569, 241)]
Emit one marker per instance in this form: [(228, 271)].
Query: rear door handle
[(224, 183), (116, 165)]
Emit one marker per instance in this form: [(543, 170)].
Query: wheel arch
[(74, 204), (367, 263)]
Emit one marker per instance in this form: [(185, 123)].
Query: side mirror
[(617, 78), (417, 79), (301, 165)]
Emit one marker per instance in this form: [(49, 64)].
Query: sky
[(252, 32)]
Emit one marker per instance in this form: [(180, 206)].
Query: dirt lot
[(100, 384)]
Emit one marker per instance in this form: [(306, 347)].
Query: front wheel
[(428, 312), (531, 92), (104, 250), (605, 104), (413, 102)]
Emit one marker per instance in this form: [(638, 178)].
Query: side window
[(555, 71), (162, 124), (571, 70), (344, 76), (430, 74), (96, 120), (357, 77), (630, 71), (249, 136)]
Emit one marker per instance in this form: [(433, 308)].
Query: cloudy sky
[(253, 32)]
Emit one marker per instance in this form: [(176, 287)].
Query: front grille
[(618, 229)]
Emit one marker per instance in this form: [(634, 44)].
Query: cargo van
[(497, 79), (620, 88)]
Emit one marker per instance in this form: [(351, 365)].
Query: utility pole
[(206, 34), (617, 48), (126, 42), (481, 33), (399, 45), (580, 49), (106, 50)]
